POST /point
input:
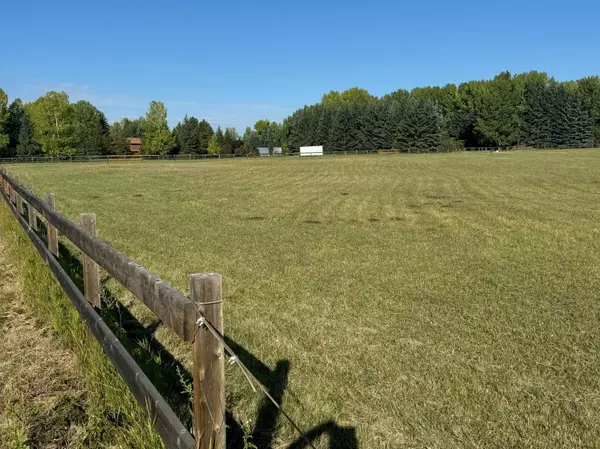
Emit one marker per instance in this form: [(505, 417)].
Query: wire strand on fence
[(234, 358)]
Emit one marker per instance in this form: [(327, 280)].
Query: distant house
[(263, 151), (135, 144)]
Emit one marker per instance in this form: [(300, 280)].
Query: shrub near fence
[(184, 315)]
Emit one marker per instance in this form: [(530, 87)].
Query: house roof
[(134, 140)]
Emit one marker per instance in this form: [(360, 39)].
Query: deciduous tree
[(213, 145), (157, 137), (52, 118)]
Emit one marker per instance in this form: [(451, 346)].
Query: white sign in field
[(311, 151)]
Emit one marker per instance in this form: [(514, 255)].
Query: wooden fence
[(186, 157), (174, 309)]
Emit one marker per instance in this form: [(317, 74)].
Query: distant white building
[(263, 151), (311, 151), (277, 150)]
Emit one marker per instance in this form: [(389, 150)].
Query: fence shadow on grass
[(174, 381)]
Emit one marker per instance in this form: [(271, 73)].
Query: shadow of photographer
[(169, 375)]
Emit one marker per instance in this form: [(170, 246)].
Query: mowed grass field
[(439, 301)]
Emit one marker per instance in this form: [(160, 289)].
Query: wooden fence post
[(11, 192), (15, 194), (91, 270), (209, 363), (52, 234), (32, 212), (20, 208)]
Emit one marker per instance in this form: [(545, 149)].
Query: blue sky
[(234, 62)]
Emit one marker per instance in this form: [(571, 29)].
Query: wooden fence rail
[(188, 157), (170, 305)]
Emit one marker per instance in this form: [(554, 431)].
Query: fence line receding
[(174, 308)]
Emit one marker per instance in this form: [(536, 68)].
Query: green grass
[(441, 301), (45, 401)]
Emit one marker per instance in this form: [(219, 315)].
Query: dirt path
[(42, 393)]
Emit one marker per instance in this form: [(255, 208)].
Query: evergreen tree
[(420, 129), (312, 122), (536, 115), (306, 134), (90, 129), (374, 126), (220, 139), (464, 123), (294, 126), (504, 111), (118, 139), (356, 126), (395, 116), (26, 145), (251, 141), (570, 125), (230, 138), (447, 99), (16, 111), (498, 117), (205, 132), (322, 132), (589, 93), (188, 135), (339, 135)]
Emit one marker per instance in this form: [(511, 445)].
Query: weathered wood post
[(91, 270), (20, 208), (52, 234), (11, 192), (31, 211), (209, 363)]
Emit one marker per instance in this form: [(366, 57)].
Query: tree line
[(53, 126), (530, 109)]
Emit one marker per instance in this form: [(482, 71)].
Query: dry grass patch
[(41, 387), (57, 388), (474, 325)]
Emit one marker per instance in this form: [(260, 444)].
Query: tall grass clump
[(114, 417)]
